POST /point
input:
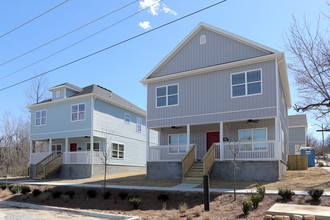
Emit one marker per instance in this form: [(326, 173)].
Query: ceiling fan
[(175, 127), (252, 121)]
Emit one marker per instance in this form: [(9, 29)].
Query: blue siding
[(70, 92), (218, 49), (59, 123), (61, 94)]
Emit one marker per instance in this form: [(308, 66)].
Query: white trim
[(185, 116), (130, 118), (246, 83), (35, 117), (79, 111), (252, 141), (117, 158), (57, 94), (56, 132), (65, 86), (222, 150), (166, 95), (137, 124), (299, 126), (210, 28)]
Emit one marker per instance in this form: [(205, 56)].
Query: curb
[(73, 211)]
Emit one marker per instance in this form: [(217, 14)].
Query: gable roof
[(297, 121), (66, 85), (214, 29), (272, 55), (98, 92)]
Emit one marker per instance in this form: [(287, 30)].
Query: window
[(96, 146), (78, 112), (179, 140), (139, 124), (41, 118), (58, 94), (246, 83), (117, 151), (253, 139), (202, 40), (57, 148), (167, 95), (127, 118)]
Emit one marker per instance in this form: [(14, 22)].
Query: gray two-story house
[(215, 93), (66, 125)]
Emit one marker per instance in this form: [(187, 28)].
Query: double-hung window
[(138, 124), (117, 151), (167, 95), (246, 83), (41, 117), (78, 112), (127, 118), (253, 139), (178, 143), (96, 146)]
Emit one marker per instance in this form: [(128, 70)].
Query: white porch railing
[(261, 150), (168, 152), (37, 157), (79, 157)]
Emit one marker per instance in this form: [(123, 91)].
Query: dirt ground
[(221, 206)]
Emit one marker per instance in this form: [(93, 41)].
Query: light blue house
[(74, 117), (217, 91)]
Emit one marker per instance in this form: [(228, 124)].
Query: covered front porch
[(185, 146)]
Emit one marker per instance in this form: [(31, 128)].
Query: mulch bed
[(221, 206)]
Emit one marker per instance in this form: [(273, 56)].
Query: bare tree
[(310, 64), (38, 91), (234, 150)]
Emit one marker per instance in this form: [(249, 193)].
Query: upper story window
[(246, 83), (139, 124), (127, 118), (167, 95), (58, 94), (41, 117), (78, 112), (253, 139), (202, 40)]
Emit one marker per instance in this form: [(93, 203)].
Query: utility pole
[(323, 130)]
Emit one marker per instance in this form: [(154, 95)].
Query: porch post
[(91, 149), (147, 144), (66, 150), (277, 143), (188, 136), (31, 150), (50, 146), (222, 150)]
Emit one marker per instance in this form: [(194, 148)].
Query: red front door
[(73, 147), (212, 137)]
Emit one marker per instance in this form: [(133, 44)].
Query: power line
[(92, 35), (33, 19), (70, 32), (114, 45)]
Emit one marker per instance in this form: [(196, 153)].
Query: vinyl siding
[(206, 98), (109, 123), (59, 124), (61, 94), (283, 116), (217, 50), (296, 136)]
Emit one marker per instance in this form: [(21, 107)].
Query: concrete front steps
[(195, 174)]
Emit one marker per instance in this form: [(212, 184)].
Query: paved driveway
[(13, 213)]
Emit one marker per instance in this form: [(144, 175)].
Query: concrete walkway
[(181, 187)]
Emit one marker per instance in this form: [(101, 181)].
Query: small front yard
[(180, 205)]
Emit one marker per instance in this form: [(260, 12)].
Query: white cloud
[(167, 10), (153, 4), (145, 25)]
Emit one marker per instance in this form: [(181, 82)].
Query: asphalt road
[(13, 213)]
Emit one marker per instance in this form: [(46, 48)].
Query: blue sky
[(120, 69)]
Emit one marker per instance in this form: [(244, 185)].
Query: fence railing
[(188, 160), (257, 150), (168, 152), (208, 159), (78, 157), (53, 165)]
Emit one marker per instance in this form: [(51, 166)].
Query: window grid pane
[(167, 95)]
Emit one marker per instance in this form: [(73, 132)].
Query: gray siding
[(206, 98), (283, 116), (198, 132), (217, 50), (297, 136)]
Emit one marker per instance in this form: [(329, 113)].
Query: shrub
[(3, 186), (106, 195), (70, 194), (135, 201), (286, 194), (316, 193), (321, 164), (183, 207), (163, 197), (45, 196), (261, 190), (25, 189), (91, 193), (36, 192), (256, 199), (56, 194), (246, 206), (123, 195), (198, 212), (15, 189)]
